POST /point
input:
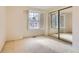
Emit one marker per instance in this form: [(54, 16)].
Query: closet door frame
[(59, 14)]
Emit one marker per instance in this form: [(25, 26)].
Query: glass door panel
[(53, 31), (66, 24)]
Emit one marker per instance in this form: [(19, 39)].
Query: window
[(34, 20)]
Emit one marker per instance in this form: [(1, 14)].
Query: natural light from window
[(34, 20)]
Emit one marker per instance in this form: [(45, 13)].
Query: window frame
[(38, 19)]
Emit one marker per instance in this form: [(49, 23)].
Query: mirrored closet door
[(60, 24), (66, 24), (53, 23)]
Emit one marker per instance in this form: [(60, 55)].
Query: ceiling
[(53, 8), (69, 10), (47, 7)]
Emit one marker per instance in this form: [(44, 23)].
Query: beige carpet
[(37, 45), (65, 36)]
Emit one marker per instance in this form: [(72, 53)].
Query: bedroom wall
[(46, 23), (68, 23), (2, 26), (75, 20), (17, 23)]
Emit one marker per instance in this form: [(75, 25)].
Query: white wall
[(2, 26), (17, 23), (68, 23), (46, 23), (75, 27)]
